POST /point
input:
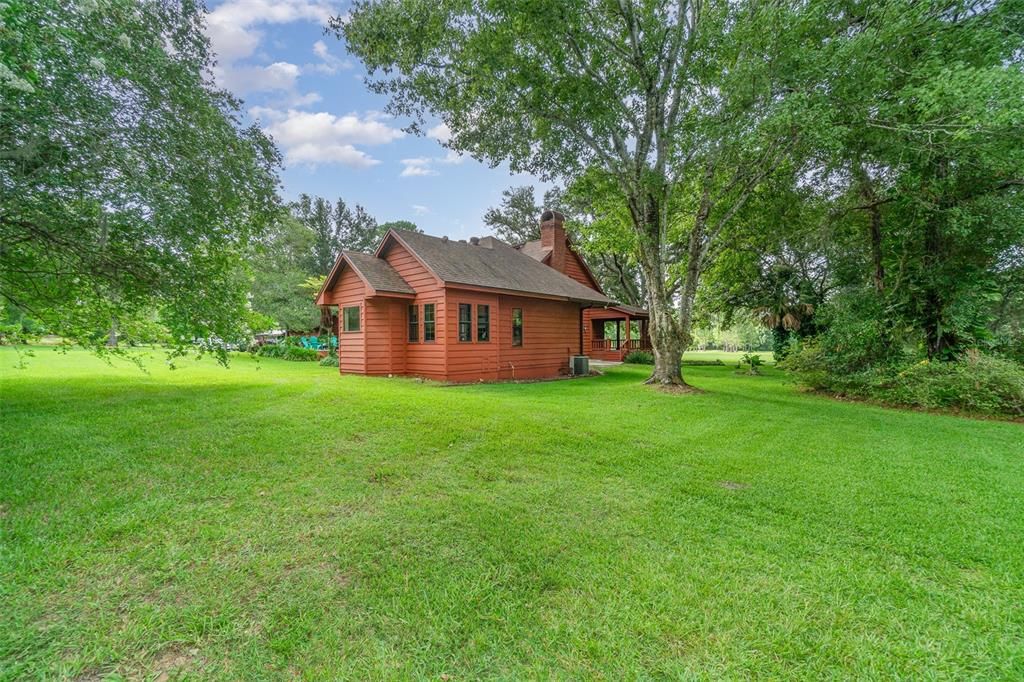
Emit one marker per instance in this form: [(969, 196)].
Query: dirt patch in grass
[(733, 485), (172, 660), (677, 389)]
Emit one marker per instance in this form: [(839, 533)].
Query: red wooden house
[(467, 311)]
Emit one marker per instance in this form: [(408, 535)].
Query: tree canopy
[(128, 186), (659, 97)]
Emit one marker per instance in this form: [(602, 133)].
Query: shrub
[(639, 357), (977, 383), (287, 351), (329, 360), (270, 350), (300, 354), (754, 362)]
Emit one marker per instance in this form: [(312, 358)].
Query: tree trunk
[(876, 250), (689, 292), (939, 342), (112, 334), (666, 339), (867, 193)]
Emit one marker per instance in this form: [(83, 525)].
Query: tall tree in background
[(902, 220), (126, 185), (517, 219), (659, 96), (931, 157), (337, 227), (300, 249), (285, 260)]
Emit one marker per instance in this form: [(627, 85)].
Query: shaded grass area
[(277, 520)]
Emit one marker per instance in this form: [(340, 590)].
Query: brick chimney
[(552, 236)]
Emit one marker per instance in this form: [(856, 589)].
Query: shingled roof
[(492, 264), (378, 273)]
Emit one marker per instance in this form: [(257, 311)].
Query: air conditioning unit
[(580, 365)]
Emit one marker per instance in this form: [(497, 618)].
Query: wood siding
[(426, 359), (574, 268), (550, 336), (348, 291)]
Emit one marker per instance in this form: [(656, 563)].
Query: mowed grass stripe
[(274, 519)]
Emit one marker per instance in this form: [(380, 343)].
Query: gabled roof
[(378, 273), (491, 264), (375, 272)]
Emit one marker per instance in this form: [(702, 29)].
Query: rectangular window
[(483, 323), (414, 323), (350, 319), (517, 326), (465, 322), (428, 322)]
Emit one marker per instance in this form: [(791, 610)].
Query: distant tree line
[(299, 250)]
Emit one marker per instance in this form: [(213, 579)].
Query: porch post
[(628, 331)]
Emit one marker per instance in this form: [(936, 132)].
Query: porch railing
[(621, 345)]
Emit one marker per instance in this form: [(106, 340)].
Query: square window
[(350, 319)]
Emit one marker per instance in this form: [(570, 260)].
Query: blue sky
[(304, 89)]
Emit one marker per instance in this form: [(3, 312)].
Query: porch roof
[(619, 311)]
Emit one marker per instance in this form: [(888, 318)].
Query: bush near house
[(287, 350), (639, 357)]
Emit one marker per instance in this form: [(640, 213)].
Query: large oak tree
[(660, 96)]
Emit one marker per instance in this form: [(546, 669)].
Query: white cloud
[(420, 209), (417, 167), (441, 132), (312, 154), (234, 36), (452, 157), (329, 64), (230, 25), (321, 137), (279, 76), (304, 100), (424, 165)]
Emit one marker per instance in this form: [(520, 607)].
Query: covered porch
[(615, 331)]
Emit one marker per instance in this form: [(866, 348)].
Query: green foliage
[(859, 333), (406, 225), (753, 363), (639, 357), (288, 351), (127, 185), (976, 383), (329, 360), (517, 218)]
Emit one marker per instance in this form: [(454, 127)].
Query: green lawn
[(273, 520)]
